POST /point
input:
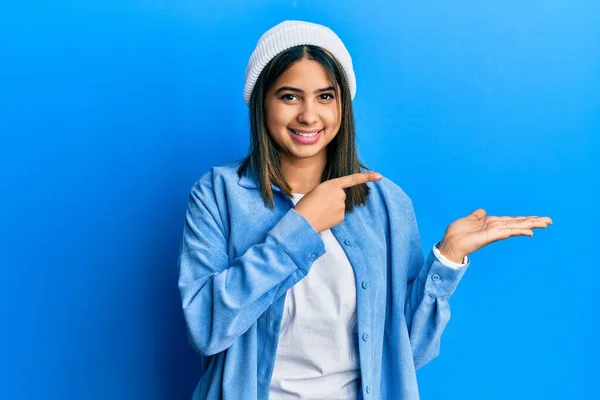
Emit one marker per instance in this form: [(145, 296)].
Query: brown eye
[(327, 96), (287, 96)]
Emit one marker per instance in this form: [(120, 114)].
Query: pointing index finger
[(356, 179)]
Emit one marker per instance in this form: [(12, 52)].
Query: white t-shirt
[(317, 352)]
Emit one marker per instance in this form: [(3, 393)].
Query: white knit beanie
[(293, 33)]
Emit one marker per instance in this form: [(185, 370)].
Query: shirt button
[(347, 242), (365, 336), (313, 257), (364, 284), (368, 389), (435, 277)]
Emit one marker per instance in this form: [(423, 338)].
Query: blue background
[(110, 110)]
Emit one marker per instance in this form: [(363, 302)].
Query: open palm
[(468, 234)]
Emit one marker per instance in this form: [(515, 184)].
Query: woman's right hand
[(324, 207)]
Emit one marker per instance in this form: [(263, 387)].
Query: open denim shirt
[(238, 258)]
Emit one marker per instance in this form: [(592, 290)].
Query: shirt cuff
[(449, 263), (298, 238), (440, 280)]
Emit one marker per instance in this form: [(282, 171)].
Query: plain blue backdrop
[(110, 110)]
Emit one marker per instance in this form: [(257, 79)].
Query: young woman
[(301, 272)]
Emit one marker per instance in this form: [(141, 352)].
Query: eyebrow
[(296, 90)]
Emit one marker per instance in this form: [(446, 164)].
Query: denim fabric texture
[(238, 258)]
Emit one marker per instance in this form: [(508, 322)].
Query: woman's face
[(303, 101)]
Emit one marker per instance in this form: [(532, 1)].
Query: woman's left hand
[(476, 230)]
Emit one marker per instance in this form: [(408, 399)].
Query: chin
[(306, 153)]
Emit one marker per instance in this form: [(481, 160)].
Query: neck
[(304, 174)]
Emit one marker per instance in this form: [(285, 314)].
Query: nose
[(308, 114)]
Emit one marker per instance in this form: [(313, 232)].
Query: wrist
[(450, 252)]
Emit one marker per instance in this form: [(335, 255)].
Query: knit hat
[(288, 34)]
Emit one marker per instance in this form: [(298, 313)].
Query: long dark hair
[(342, 155)]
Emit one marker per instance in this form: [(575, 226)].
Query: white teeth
[(306, 135)]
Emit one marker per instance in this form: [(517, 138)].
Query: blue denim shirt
[(238, 258)]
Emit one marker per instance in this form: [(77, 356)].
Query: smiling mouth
[(305, 134)]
